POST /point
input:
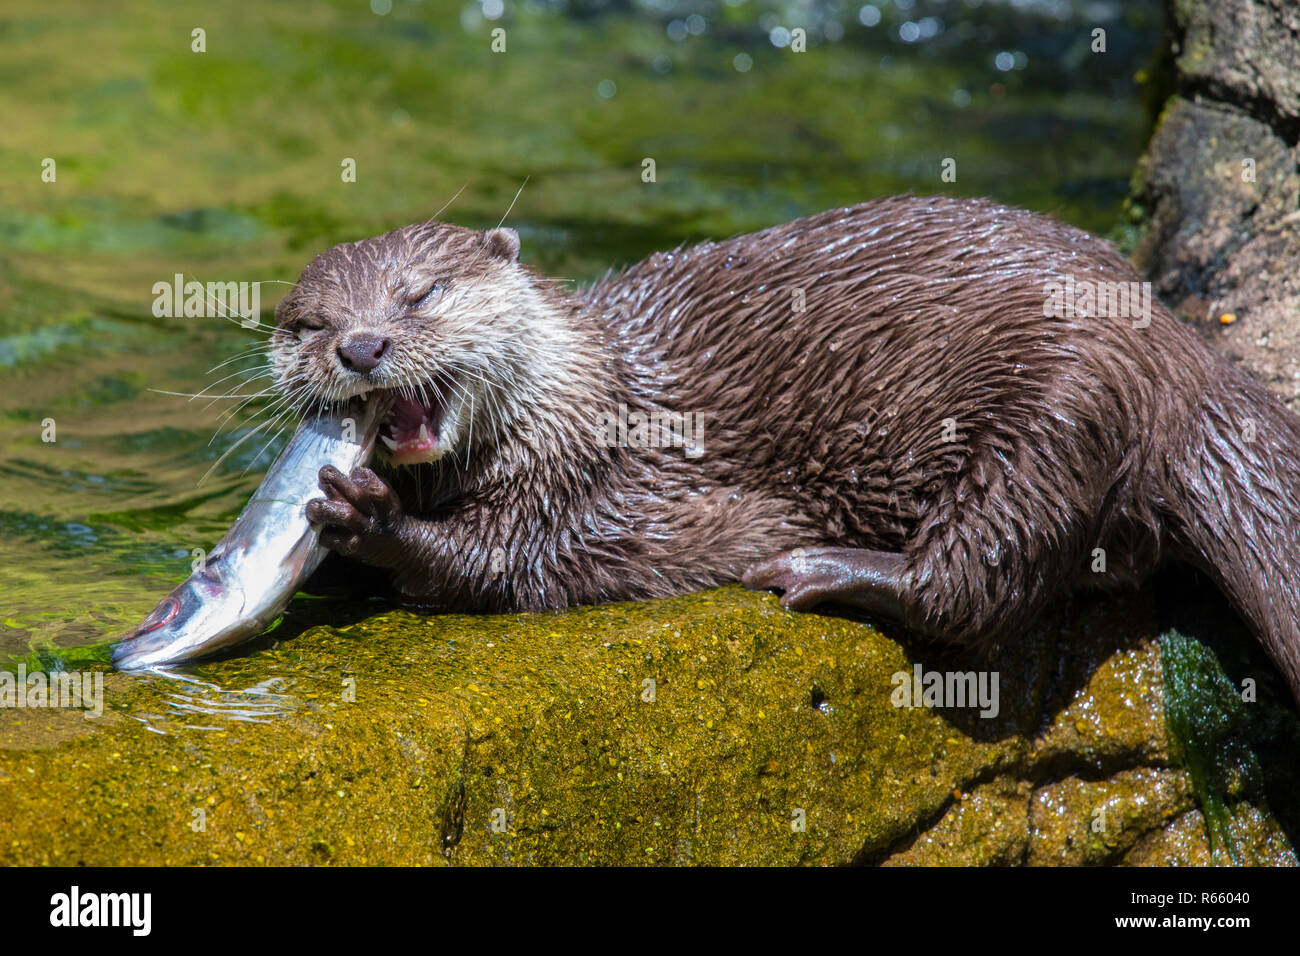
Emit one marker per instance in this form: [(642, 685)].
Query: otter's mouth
[(411, 433)]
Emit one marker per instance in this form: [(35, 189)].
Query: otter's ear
[(502, 243)]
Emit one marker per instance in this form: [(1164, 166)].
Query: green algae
[(51, 659), (1210, 726)]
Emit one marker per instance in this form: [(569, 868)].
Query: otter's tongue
[(410, 432)]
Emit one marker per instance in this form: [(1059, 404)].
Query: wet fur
[(824, 427)]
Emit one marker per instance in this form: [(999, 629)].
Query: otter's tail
[(1234, 502)]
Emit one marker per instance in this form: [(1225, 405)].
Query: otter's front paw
[(360, 516)]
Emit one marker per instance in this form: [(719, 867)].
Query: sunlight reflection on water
[(190, 699)]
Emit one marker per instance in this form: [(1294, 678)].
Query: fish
[(241, 587)]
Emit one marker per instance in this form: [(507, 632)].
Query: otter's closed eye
[(431, 295)]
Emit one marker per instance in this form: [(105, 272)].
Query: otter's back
[(873, 347)]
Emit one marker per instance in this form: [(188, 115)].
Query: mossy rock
[(711, 729)]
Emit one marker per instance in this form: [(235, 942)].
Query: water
[(225, 165)]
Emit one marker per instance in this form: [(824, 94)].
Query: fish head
[(202, 615)]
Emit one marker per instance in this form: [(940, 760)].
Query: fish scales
[(249, 577)]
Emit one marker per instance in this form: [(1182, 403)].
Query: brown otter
[(896, 418)]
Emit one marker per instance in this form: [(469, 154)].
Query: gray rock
[(1217, 190)]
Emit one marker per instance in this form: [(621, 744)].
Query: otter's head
[(444, 318)]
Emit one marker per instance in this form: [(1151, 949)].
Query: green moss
[(755, 719), (711, 729), (1209, 725)]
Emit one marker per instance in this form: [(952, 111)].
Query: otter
[(897, 419)]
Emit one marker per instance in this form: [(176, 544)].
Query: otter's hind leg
[(871, 580), (942, 599), (994, 547)]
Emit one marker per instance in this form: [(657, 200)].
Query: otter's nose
[(361, 353)]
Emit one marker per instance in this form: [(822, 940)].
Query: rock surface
[(1217, 196), (713, 729)]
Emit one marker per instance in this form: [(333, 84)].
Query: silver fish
[(266, 555)]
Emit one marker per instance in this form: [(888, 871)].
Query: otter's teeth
[(390, 442), (424, 432)]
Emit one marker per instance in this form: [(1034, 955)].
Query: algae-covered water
[(129, 157)]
